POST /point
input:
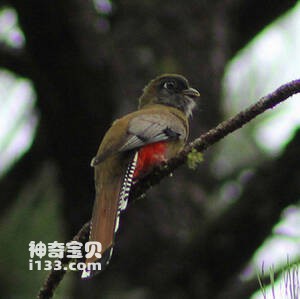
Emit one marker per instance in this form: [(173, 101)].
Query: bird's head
[(171, 90)]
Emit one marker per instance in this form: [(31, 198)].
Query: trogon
[(133, 145)]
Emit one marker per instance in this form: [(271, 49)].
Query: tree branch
[(55, 277), (200, 144)]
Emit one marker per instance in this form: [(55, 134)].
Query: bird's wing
[(140, 129), (149, 128)]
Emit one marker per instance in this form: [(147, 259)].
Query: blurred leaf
[(35, 216)]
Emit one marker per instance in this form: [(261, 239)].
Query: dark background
[(88, 67)]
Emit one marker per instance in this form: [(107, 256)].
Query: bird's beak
[(191, 92)]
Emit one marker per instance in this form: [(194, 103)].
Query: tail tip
[(91, 269), (86, 274)]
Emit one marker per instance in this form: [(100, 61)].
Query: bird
[(156, 132)]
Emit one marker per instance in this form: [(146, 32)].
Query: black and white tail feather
[(124, 195), (125, 189)]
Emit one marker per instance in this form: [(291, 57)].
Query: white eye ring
[(169, 85)]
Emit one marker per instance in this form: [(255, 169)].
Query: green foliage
[(194, 158), (35, 216)]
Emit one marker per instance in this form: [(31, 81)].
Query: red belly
[(149, 156)]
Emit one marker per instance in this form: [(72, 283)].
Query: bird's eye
[(169, 85)]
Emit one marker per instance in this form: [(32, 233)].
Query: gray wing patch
[(150, 128)]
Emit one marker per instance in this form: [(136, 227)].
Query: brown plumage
[(132, 146)]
